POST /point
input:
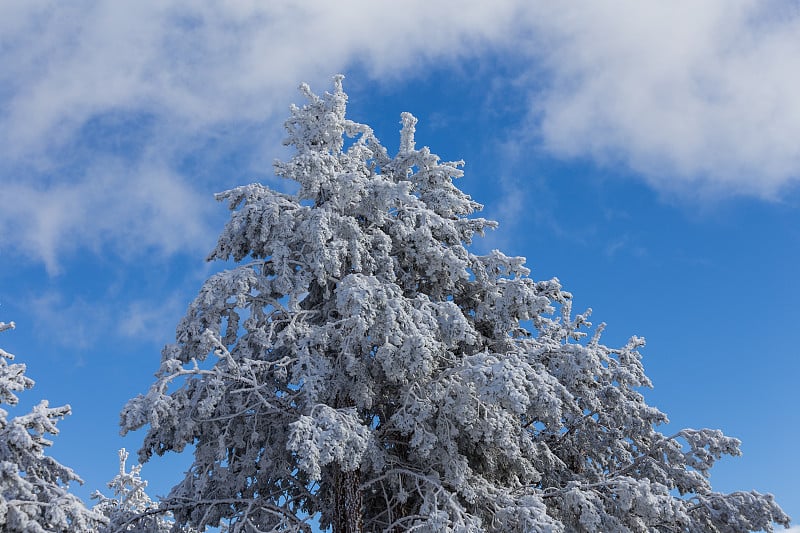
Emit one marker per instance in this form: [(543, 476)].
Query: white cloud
[(199, 63), (692, 95), (192, 70), (689, 95)]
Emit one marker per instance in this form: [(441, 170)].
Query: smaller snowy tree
[(131, 509), (34, 494)]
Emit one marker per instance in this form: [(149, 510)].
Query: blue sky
[(646, 154)]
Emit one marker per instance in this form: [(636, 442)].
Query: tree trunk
[(347, 502)]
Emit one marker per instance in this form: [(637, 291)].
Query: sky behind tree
[(646, 155)]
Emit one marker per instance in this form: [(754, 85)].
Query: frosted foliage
[(130, 509), (360, 364), (34, 495)]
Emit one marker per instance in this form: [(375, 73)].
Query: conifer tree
[(34, 488), (359, 363), (130, 509)]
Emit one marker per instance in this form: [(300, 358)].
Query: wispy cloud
[(140, 318), (129, 210), (78, 322), (73, 323)]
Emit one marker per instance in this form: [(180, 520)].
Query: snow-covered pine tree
[(130, 509), (34, 488), (360, 363)]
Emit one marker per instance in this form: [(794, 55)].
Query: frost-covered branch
[(34, 488)]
